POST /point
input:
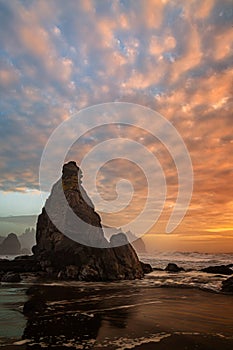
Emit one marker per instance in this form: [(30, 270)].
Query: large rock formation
[(10, 245), (61, 255)]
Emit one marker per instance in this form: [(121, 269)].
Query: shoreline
[(188, 342), (28, 264), (174, 342), (125, 318), (116, 316), (169, 308)]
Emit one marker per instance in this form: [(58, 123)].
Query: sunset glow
[(175, 57)]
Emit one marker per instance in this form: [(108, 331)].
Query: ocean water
[(123, 314), (192, 262), (12, 321), (187, 260)]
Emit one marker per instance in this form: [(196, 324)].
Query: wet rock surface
[(221, 269), (146, 267), (227, 285), (172, 267)]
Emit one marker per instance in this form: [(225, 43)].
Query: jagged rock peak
[(71, 176)]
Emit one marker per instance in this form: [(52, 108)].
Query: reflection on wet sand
[(61, 315)]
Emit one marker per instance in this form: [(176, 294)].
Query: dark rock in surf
[(171, 267), (227, 286), (222, 269), (146, 267)]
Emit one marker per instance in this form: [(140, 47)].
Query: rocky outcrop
[(172, 267), (10, 245), (221, 269), (227, 285), (20, 264), (137, 242), (11, 277), (119, 239), (73, 254), (147, 268)]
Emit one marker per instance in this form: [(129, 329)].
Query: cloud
[(9, 76), (173, 56)]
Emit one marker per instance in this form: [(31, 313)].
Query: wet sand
[(126, 316), (189, 342)]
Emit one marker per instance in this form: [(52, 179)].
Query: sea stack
[(63, 257), (10, 245)]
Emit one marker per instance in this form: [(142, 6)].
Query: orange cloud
[(223, 44), (8, 76), (152, 11)]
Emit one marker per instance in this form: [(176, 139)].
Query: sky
[(175, 57)]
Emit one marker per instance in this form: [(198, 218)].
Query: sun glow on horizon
[(219, 229)]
